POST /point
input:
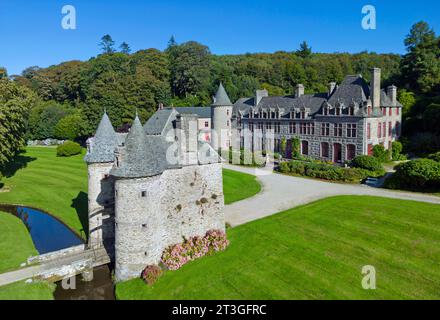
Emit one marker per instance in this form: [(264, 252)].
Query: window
[(251, 127), (390, 128), (368, 131), (324, 150), (302, 128), (350, 111), (277, 127), (144, 194), (384, 111), (310, 128), (325, 129), (369, 111), (227, 123), (292, 128), (305, 148), (338, 111), (397, 111), (206, 124), (303, 115), (384, 129), (351, 130), (390, 113), (325, 111), (379, 130), (227, 112), (338, 129)]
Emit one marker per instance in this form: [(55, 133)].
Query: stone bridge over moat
[(55, 266)]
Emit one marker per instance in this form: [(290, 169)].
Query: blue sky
[(31, 33)]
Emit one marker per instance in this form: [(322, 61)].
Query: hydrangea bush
[(151, 273), (177, 255)]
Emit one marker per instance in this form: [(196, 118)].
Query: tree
[(71, 127), (3, 73), (125, 48), (407, 99), (107, 44), (15, 103), (304, 50), (189, 68), (420, 67)]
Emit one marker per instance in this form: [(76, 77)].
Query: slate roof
[(221, 97), (103, 145), (143, 156), (202, 112), (160, 122), (354, 89)]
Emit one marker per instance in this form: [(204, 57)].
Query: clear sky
[(31, 32)]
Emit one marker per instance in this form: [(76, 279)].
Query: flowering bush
[(177, 255), (151, 273)]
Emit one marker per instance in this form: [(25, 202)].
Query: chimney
[(299, 90), (392, 94), (375, 88), (260, 94), (331, 88)]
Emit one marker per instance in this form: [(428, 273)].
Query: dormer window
[(351, 111)]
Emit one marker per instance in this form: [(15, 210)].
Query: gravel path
[(281, 192)]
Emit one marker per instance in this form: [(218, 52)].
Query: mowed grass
[(15, 243), (238, 186), (27, 291), (57, 185), (316, 251)]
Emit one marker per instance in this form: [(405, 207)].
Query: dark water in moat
[(49, 234), (100, 288)]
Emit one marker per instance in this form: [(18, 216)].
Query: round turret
[(221, 120)]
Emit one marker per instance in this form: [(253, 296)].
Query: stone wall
[(155, 212), (101, 204)]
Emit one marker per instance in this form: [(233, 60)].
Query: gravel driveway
[(281, 192)]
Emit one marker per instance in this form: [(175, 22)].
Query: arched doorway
[(305, 148), (337, 152)]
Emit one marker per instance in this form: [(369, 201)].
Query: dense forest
[(66, 101)]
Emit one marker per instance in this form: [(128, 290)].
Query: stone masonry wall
[(154, 213), (100, 204)]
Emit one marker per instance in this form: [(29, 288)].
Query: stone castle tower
[(140, 200), (221, 120)]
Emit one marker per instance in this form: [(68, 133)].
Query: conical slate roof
[(221, 97), (103, 145), (143, 156)]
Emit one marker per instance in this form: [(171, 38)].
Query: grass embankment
[(238, 186), (15, 247), (316, 251), (27, 291), (57, 185), (15, 243)]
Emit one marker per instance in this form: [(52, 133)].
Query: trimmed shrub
[(68, 148), (416, 174), (396, 151), (367, 162), (151, 273), (381, 154), (296, 148)]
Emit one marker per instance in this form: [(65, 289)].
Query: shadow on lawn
[(20, 161), (80, 204)]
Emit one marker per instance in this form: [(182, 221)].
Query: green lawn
[(27, 291), (15, 243), (316, 252), (59, 185), (238, 186), (15, 247)]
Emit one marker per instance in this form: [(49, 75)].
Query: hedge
[(323, 171), (369, 163)]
